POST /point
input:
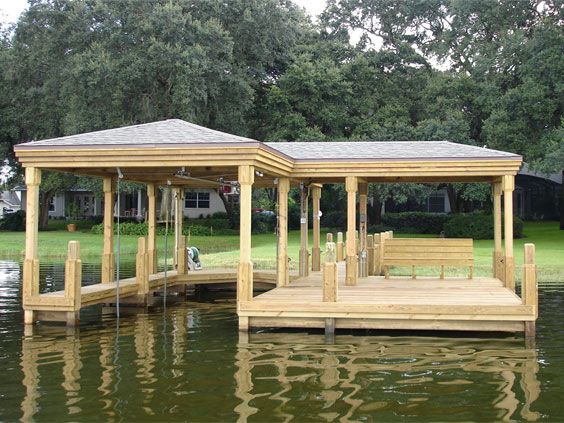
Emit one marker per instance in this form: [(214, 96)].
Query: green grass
[(222, 251)]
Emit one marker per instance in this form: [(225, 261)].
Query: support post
[(383, 237), (351, 185), (108, 255), (498, 267), (316, 250), (142, 267), (178, 221), (340, 247), (370, 255), (152, 227), (245, 271), (508, 187), (363, 222), (31, 261), (283, 278), (529, 287), (73, 282), (330, 278), (304, 250)]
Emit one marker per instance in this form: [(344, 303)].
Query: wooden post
[(245, 271), (351, 185), (316, 250), (370, 255), (383, 237), (182, 268), (108, 255), (73, 282), (31, 260), (508, 187), (142, 267), (498, 267), (330, 239), (283, 278), (152, 227), (178, 222), (363, 222), (340, 247), (529, 288), (330, 276), (377, 270), (304, 250)]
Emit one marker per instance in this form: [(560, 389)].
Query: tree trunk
[(452, 199), (226, 202), (44, 201), (562, 203)]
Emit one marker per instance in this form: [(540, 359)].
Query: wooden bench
[(428, 252)]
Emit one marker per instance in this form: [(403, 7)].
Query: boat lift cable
[(118, 244)]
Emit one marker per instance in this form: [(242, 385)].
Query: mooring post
[(181, 268), (377, 268), (370, 254), (142, 267), (340, 247), (73, 282), (529, 288), (330, 275)]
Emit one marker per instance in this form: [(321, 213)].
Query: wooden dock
[(481, 304)]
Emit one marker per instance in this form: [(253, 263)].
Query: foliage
[(262, 224), (416, 222), (13, 221), (477, 226)]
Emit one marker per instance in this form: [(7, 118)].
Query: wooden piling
[(330, 274), (340, 247), (181, 264), (142, 267), (529, 287), (370, 254), (73, 282)]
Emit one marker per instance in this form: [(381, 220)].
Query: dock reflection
[(360, 377)]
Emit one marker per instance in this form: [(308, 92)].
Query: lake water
[(186, 362)]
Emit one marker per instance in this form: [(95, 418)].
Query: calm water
[(187, 362)]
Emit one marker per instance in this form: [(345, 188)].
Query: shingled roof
[(179, 133), (174, 132), (386, 150)]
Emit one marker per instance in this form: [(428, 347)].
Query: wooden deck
[(395, 303), (106, 292)]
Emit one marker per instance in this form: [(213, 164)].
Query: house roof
[(386, 150), (165, 132)]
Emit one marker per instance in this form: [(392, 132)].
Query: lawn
[(222, 251)]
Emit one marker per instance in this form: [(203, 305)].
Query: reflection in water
[(393, 376), (186, 363)]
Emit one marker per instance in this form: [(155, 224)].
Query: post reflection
[(361, 376)]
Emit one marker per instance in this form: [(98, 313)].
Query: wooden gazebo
[(180, 154)]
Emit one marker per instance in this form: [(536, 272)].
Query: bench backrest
[(428, 252)]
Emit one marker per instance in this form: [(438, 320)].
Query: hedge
[(416, 222), (477, 226), (13, 221)]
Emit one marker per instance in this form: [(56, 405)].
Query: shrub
[(416, 222), (374, 229), (220, 215), (262, 224), (294, 216), (13, 221), (477, 226)]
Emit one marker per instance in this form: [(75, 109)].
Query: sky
[(11, 9)]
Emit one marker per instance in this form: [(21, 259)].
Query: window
[(52, 205), (437, 203), (197, 200)]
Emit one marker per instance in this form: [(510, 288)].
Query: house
[(9, 202), (83, 204), (536, 197)]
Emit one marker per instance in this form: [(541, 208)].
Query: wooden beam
[(31, 260), (351, 186), (282, 266), (316, 250), (304, 249), (152, 227), (108, 255), (498, 267), (245, 270), (508, 187)]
